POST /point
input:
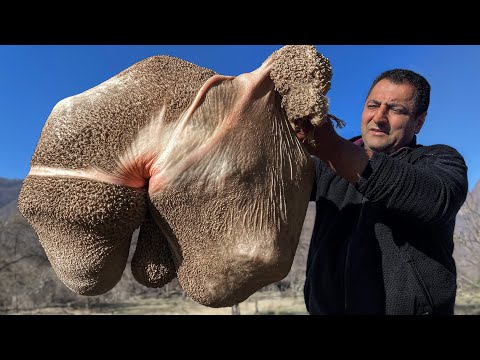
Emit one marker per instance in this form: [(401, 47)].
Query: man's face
[(388, 118)]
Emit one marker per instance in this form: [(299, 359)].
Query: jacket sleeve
[(323, 172), (431, 189)]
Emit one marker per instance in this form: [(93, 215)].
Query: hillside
[(467, 241), (9, 190)]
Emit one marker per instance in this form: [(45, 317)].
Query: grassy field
[(261, 303)]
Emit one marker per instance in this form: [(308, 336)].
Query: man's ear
[(420, 121)]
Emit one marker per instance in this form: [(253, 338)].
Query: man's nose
[(381, 114)]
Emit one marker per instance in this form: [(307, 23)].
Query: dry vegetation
[(468, 302), (261, 303)]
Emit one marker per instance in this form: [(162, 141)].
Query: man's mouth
[(378, 131)]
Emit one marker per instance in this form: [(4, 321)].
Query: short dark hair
[(402, 76)]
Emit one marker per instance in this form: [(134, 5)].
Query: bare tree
[(22, 261)]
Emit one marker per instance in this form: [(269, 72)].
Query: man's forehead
[(386, 91)]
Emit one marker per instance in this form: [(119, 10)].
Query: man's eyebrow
[(395, 104), (389, 104)]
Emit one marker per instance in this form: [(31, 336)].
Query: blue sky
[(34, 78)]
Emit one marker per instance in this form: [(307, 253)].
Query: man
[(383, 236)]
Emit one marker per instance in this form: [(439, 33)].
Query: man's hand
[(342, 156), (312, 136)]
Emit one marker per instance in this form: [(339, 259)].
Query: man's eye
[(371, 106)]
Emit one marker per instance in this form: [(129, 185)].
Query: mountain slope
[(467, 241), (9, 190)]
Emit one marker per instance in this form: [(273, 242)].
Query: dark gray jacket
[(384, 246)]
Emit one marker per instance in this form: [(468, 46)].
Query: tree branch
[(3, 267)]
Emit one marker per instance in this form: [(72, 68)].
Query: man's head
[(395, 110)]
